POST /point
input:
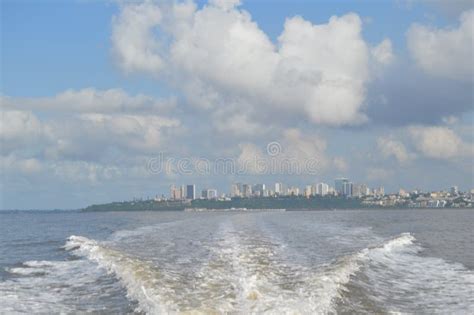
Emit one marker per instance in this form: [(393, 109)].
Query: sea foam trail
[(398, 276), (139, 278), (263, 283), (58, 287), (326, 284), (245, 275)]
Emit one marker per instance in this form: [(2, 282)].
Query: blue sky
[(69, 42), (89, 95)]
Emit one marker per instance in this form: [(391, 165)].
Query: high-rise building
[(322, 189), (359, 190), (191, 192), (209, 193), (364, 189), (176, 193), (236, 190), (347, 189), (212, 194), (246, 190), (379, 191), (339, 185), (259, 189), (279, 189), (293, 191), (308, 191)]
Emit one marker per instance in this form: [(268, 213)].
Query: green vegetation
[(287, 202), (141, 205)]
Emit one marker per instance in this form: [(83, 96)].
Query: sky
[(112, 100)]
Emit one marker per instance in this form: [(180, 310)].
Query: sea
[(237, 262)]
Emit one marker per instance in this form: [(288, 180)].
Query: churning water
[(320, 262)]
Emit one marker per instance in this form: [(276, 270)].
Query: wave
[(245, 274), (138, 277), (327, 284), (397, 275), (59, 287)]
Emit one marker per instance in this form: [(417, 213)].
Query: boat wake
[(244, 272)]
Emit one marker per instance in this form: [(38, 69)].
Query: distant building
[(293, 191), (403, 193), (339, 185), (209, 194), (356, 190), (308, 191), (379, 192), (279, 190), (246, 190), (259, 190), (365, 190), (322, 189), (347, 189), (454, 191), (191, 192), (236, 190), (176, 193)]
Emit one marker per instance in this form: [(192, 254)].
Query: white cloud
[(383, 52), (225, 4), (83, 171), (440, 143), (294, 154), (340, 164), (237, 124), (22, 129), (379, 174), (217, 55), (85, 124), (139, 133), (390, 147), (444, 52), (91, 100), (16, 164), (133, 44)]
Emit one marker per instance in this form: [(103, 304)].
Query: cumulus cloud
[(91, 100), (445, 52), (22, 129), (218, 55), (440, 143), (383, 52), (18, 165), (295, 153), (95, 127), (133, 43), (389, 147), (379, 174), (340, 164)]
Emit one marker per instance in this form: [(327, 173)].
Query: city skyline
[(246, 190), (380, 92)]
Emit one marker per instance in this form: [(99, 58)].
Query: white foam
[(53, 287), (265, 284), (399, 242), (138, 277), (247, 273), (403, 280), (142, 231)]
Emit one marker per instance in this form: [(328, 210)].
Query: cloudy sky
[(91, 92)]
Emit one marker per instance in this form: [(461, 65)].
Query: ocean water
[(315, 262)]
